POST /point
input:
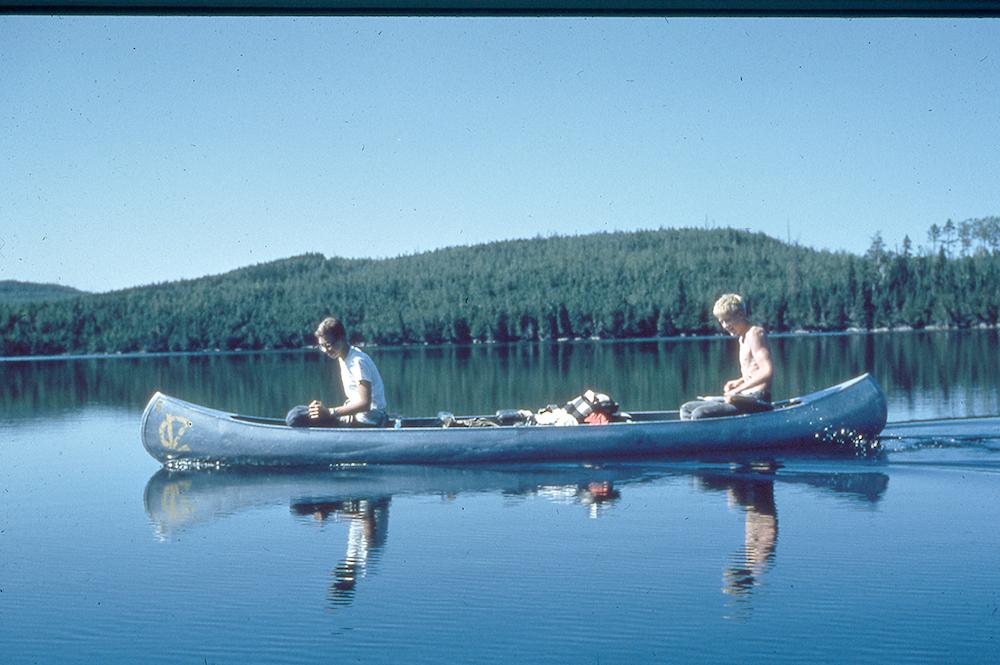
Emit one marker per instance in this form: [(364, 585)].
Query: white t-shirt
[(358, 367)]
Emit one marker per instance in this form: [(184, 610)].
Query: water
[(106, 558)]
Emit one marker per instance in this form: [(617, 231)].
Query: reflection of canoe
[(179, 432), (175, 500), (866, 487)]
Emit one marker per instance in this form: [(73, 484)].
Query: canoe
[(180, 434)]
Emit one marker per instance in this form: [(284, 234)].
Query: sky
[(136, 150)]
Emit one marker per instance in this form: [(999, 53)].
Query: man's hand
[(731, 386), (317, 411)]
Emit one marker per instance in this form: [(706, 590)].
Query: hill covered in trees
[(612, 285), (15, 293)]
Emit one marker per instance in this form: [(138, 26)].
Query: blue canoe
[(179, 434)]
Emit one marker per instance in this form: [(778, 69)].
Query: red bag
[(597, 418)]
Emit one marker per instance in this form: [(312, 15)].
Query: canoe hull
[(177, 432)]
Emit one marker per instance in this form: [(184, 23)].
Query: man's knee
[(703, 411), (713, 410), (298, 416), (687, 408)]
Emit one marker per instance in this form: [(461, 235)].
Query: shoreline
[(492, 344)]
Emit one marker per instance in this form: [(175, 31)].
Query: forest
[(655, 283), (22, 292)]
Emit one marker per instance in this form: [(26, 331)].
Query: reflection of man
[(366, 536), (760, 535), (760, 530)]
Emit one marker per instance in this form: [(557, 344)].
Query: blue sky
[(135, 150)]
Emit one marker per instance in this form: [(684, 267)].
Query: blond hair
[(728, 305)]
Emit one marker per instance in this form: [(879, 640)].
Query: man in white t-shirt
[(361, 381)]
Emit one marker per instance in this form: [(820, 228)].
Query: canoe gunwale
[(277, 423)]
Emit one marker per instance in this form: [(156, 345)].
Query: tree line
[(609, 285)]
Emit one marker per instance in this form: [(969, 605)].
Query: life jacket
[(590, 402)]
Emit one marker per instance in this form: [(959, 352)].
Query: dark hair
[(332, 330)]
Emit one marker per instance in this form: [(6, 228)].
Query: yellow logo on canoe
[(171, 430)]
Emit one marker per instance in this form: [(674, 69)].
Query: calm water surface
[(895, 558)]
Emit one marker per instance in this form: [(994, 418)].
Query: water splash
[(979, 432), (847, 439), (192, 465)]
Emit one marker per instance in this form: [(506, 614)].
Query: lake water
[(892, 558)]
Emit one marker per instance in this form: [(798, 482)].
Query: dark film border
[(527, 8)]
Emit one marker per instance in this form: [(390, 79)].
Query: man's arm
[(363, 400), (756, 339), (761, 354), (362, 403)]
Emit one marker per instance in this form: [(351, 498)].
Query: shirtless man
[(752, 390)]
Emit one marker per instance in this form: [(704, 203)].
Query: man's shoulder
[(755, 334), (354, 354), (356, 357)]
